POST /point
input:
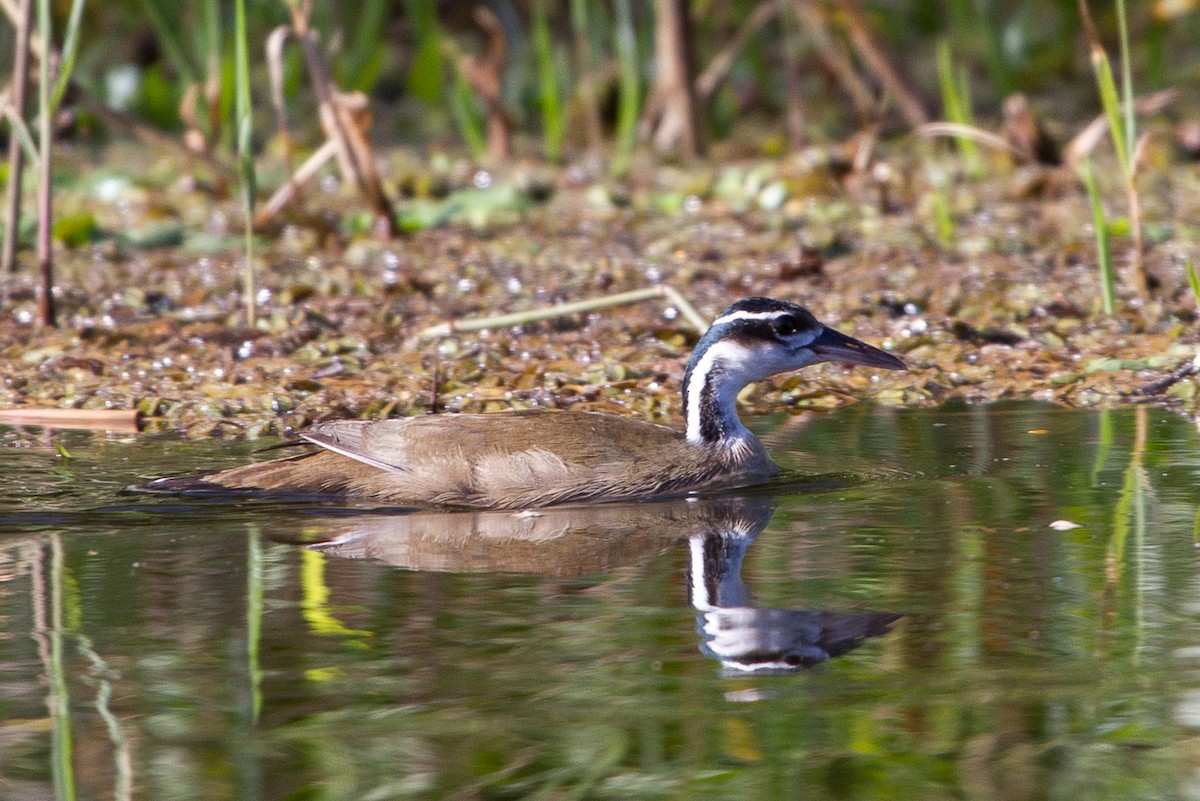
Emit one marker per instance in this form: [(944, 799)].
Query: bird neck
[(717, 372)]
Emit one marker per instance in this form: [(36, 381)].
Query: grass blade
[(552, 121), (957, 104), (245, 128), (1127, 82), (66, 64), (470, 122), (1193, 279), (630, 102), (45, 211), (1111, 102), (1103, 251), (167, 32)]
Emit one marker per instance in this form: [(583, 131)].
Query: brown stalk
[(671, 117), (815, 25), (589, 102), (16, 156), (886, 69), (485, 75), (275, 44), (288, 192), (718, 67), (345, 118), (794, 117)]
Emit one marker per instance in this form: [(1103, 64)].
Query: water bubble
[(482, 179), (466, 285), (692, 204), (245, 350), (262, 297), (670, 313), (513, 285), (911, 308)]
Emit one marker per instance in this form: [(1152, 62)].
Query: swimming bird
[(536, 457)]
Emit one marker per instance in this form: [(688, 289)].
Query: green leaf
[(74, 230), (1193, 279)]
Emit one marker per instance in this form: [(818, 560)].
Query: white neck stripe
[(736, 358)]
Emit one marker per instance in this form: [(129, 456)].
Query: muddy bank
[(987, 288)]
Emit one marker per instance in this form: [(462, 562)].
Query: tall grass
[(1193, 279), (1103, 248), (244, 112), (466, 114), (1122, 123), (552, 121), (45, 252), (629, 105), (956, 100)]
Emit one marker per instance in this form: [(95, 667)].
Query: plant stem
[(45, 251), (552, 122), (1104, 253), (245, 122), (630, 102), (672, 295), (16, 156)]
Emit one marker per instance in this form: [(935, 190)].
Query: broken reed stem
[(290, 190), (54, 417), (45, 252), (670, 294), (16, 156)]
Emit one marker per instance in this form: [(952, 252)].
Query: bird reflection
[(565, 542), (746, 638)]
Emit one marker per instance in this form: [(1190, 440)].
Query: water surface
[(978, 602)]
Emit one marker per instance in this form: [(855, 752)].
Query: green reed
[(244, 125), (1103, 248)]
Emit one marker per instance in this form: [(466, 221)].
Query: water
[(909, 625)]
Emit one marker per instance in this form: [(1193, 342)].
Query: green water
[(160, 649)]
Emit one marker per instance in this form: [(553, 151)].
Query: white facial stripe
[(746, 315)]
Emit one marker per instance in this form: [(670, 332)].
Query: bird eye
[(785, 326)]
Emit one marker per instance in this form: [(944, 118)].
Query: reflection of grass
[(254, 615), (1130, 513), (62, 742)]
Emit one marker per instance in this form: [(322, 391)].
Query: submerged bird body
[(539, 457)]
